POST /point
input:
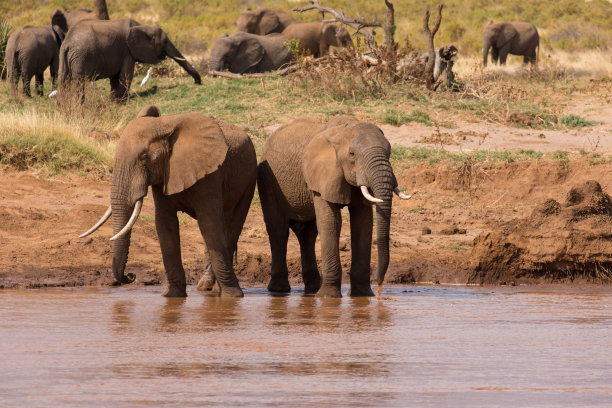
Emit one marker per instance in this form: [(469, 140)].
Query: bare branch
[(431, 51), (390, 26), (359, 24)]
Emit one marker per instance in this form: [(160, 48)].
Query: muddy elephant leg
[(494, 55), (277, 226), (38, 84), (307, 236), (329, 223), (167, 225), (207, 281), (361, 247), (212, 226)]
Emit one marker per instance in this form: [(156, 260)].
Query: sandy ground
[(431, 237)]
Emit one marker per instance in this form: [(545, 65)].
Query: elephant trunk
[(380, 180), (175, 54), (485, 51), (121, 211)]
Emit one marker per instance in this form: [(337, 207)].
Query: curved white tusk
[(131, 221), (98, 224), (400, 194), (366, 194), (179, 59)]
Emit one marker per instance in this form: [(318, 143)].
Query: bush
[(5, 32), (575, 121)]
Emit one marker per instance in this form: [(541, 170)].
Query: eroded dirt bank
[(432, 234)]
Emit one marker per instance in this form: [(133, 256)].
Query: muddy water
[(417, 346)]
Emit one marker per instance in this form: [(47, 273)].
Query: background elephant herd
[(82, 45)]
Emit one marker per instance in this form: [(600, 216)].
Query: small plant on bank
[(397, 118), (5, 32), (576, 122)]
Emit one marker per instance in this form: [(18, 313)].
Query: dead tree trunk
[(390, 27), (101, 9), (431, 50)]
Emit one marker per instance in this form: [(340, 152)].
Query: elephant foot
[(231, 291), (329, 292), (311, 287), (206, 283), (174, 291), (360, 290), (279, 285)]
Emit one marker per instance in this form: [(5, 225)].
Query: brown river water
[(415, 346)]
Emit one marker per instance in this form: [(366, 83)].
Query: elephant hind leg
[(307, 234), (38, 84), (26, 78)]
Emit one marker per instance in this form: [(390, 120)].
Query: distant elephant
[(30, 50), (516, 38), (77, 15), (95, 49), (316, 38), (307, 173), (195, 164), (244, 52), (263, 21)]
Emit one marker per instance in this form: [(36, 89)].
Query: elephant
[(309, 171), (516, 38), (195, 164), (263, 21), (95, 49), (78, 15), (316, 38), (244, 52), (30, 50)]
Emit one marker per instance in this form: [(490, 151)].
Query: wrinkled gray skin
[(244, 52), (307, 173), (96, 49), (30, 50), (516, 38), (316, 38), (263, 21), (194, 164)]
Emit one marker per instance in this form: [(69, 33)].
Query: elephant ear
[(506, 34), (269, 23), (197, 148), (249, 53), (142, 43), (59, 24), (321, 168), (149, 110)]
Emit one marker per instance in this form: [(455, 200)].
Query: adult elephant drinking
[(194, 164), (307, 173), (96, 49), (516, 38), (244, 52)]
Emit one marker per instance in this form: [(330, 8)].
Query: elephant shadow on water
[(194, 164)]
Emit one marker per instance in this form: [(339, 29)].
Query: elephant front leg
[(167, 225), (361, 247), (329, 224)]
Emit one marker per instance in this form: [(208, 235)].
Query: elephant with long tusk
[(307, 173), (194, 164)]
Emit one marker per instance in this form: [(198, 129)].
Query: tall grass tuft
[(29, 140), (5, 32)]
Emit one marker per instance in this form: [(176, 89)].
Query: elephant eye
[(143, 156), (351, 154)]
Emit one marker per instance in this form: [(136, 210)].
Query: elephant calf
[(307, 173), (316, 38), (194, 164), (30, 50), (244, 52)]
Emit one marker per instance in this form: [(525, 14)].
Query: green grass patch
[(397, 118), (575, 121), (417, 209)]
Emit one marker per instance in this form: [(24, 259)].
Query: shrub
[(575, 121), (5, 32)]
